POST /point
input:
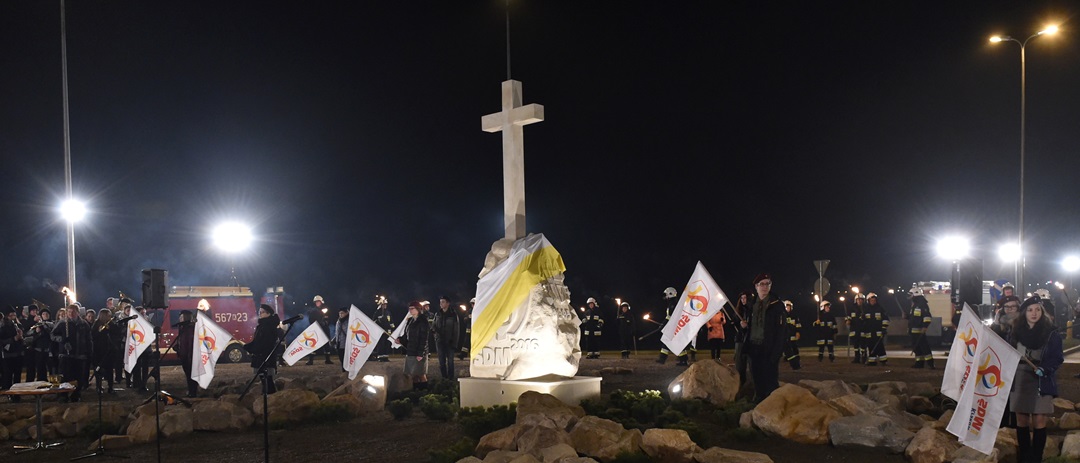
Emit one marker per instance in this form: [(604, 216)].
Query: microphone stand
[(100, 452), (261, 375)]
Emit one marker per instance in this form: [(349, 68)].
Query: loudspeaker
[(155, 294), (967, 282)]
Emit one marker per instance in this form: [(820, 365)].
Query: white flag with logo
[(700, 300), (309, 340), (398, 332), (210, 341), (140, 336), (360, 339), (982, 401), (969, 333)]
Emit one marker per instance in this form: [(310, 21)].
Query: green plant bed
[(460, 449), (476, 422)]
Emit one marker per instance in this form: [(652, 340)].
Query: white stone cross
[(510, 121)]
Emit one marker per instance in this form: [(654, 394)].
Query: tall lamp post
[(72, 211), (1022, 261)]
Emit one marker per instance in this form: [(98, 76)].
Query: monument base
[(485, 392)]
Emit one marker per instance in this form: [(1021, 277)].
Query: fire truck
[(234, 308)]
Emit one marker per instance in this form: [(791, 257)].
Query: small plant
[(690, 407), (330, 412), (669, 418), (648, 406), (476, 422), (400, 409), (435, 407), (729, 415), (460, 449), (593, 407)]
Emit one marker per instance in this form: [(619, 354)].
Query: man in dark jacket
[(447, 330), (415, 340), (317, 314), (73, 336), (876, 324), (382, 318), (101, 336), (185, 349), (40, 342), (592, 326), (765, 340), (11, 350), (266, 344)]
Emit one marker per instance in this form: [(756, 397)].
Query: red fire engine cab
[(234, 308)]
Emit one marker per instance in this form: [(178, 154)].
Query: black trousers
[(41, 367), (75, 369), (764, 369), (714, 347), (446, 360), (10, 371)]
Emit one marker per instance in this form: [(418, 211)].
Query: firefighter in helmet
[(592, 327)]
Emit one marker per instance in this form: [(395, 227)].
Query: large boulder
[(1059, 403), (793, 413), (1069, 421), (669, 445), (707, 380), (369, 398), (855, 404), (564, 416), (174, 421), (869, 431), (501, 439), (535, 438), (966, 454), (558, 452), (290, 405), (604, 439), (722, 455), (931, 446), (1070, 448), (220, 416), (831, 389)]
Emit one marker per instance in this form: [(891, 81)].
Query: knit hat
[(762, 276)]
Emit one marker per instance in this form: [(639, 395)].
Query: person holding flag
[(265, 346), (1035, 387), (414, 338), (700, 301), (765, 341), (185, 348), (362, 336)]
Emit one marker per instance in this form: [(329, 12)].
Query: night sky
[(749, 135)]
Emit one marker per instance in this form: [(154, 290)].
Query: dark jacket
[(1052, 358), (775, 334), (266, 340), (73, 335), (9, 347), (185, 343), (100, 335), (416, 335), (447, 328)]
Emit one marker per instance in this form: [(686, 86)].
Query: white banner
[(360, 341), (700, 300), (982, 401), (400, 330), (310, 340), (140, 336), (962, 354), (210, 341)]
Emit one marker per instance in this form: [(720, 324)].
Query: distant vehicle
[(234, 308)]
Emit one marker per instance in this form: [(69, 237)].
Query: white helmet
[(823, 304), (789, 303), (317, 299), (670, 293), (591, 300), (916, 292), (1043, 294), (871, 295), (473, 300)]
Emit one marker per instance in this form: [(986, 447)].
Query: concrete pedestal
[(485, 392)]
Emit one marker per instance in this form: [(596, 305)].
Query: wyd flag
[(700, 300), (210, 341), (969, 333), (506, 287), (982, 400), (309, 340), (360, 341), (140, 336)]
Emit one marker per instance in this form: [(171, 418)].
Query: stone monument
[(535, 348)]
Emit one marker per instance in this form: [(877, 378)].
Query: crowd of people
[(79, 346)]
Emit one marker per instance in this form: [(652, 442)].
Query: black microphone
[(126, 319), (293, 320)]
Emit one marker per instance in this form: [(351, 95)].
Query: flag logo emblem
[(137, 335), (207, 340), (360, 334), (310, 340), (988, 380), (696, 302), (970, 342)]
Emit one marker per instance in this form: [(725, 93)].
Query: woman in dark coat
[(1035, 386), (416, 346), (266, 343)]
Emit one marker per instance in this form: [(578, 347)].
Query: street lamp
[(953, 248), (72, 210), (1022, 261)]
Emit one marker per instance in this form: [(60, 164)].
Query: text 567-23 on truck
[(234, 308)]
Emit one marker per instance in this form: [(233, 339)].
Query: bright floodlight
[(73, 210), (1009, 252), (996, 39), (953, 248), (855, 289), (232, 236), (1070, 263), (1050, 30)]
